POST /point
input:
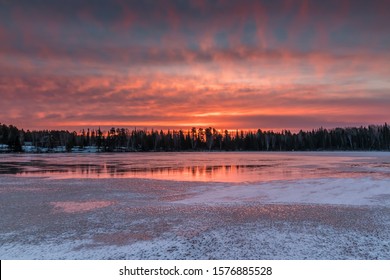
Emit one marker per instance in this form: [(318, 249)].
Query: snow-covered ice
[(195, 206), (338, 191)]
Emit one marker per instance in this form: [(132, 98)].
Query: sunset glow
[(178, 64)]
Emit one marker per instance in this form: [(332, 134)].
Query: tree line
[(372, 137)]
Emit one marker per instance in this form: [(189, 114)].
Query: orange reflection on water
[(199, 173), (199, 167)]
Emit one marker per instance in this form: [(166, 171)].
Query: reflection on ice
[(77, 206), (202, 167)]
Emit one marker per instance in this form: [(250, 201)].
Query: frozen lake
[(325, 205), (228, 167)]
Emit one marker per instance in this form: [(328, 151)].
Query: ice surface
[(228, 206), (200, 167)]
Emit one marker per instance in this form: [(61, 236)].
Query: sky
[(175, 64)]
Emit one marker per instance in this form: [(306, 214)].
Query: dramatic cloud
[(228, 64)]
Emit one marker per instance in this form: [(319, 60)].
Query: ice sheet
[(335, 206)]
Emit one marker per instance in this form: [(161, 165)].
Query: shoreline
[(93, 151)]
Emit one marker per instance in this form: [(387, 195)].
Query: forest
[(370, 138)]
